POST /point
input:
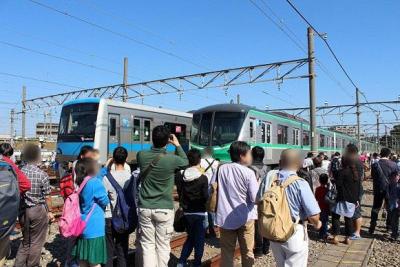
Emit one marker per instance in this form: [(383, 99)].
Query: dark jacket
[(192, 186), (349, 188), (382, 179)]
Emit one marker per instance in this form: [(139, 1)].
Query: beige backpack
[(274, 217)]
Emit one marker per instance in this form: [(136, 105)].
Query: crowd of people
[(315, 191)]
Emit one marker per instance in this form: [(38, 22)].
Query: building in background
[(349, 130), (46, 131)]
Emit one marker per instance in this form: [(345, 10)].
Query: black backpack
[(9, 199), (335, 166)]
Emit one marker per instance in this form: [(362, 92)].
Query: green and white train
[(220, 125)]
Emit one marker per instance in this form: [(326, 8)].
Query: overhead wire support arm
[(180, 84)]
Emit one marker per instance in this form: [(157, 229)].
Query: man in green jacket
[(156, 207)]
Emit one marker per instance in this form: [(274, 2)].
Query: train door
[(141, 134), (252, 131), (264, 132), (114, 134)]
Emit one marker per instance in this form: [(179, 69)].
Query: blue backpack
[(124, 213)]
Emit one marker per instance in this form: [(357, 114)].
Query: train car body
[(219, 125), (106, 124)]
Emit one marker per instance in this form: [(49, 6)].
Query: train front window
[(226, 127), (78, 122), (205, 129), (194, 133)]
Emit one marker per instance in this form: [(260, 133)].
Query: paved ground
[(356, 254)]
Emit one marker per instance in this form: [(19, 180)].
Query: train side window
[(146, 131), (338, 142), (251, 129), (268, 133), (113, 127), (306, 138), (296, 137), (321, 140), (136, 130), (263, 132), (282, 134)]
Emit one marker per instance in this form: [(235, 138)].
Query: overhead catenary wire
[(39, 80), (296, 40), (73, 61), (72, 49), (129, 23), (121, 35), (325, 41)]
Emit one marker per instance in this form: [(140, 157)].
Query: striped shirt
[(40, 186)]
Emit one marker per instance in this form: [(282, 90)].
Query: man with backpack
[(35, 215), (210, 166), (293, 201), (11, 178), (118, 178), (156, 206), (382, 172), (237, 188)]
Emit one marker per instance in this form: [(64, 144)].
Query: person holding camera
[(156, 207)]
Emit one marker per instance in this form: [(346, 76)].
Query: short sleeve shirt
[(302, 202), (40, 186)]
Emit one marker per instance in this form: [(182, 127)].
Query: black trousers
[(348, 222), (261, 245), (117, 245), (395, 214), (379, 197)]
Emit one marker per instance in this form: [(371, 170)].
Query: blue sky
[(213, 34)]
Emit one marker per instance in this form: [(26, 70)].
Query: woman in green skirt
[(90, 248)]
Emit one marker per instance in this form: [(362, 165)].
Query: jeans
[(117, 245), (155, 232), (211, 225), (4, 250), (245, 236), (34, 223), (324, 217), (348, 222), (196, 230), (379, 197)]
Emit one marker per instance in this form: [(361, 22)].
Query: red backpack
[(67, 186)]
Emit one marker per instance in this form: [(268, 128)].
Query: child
[(320, 194), (90, 248)]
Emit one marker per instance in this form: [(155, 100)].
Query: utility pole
[(311, 86), (386, 137), (358, 113), (377, 132), (125, 81), (12, 120), (23, 102), (238, 99)]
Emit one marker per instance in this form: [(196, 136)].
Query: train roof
[(225, 107), (115, 103), (245, 108)]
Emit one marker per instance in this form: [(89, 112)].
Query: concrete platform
[(356, 254)]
